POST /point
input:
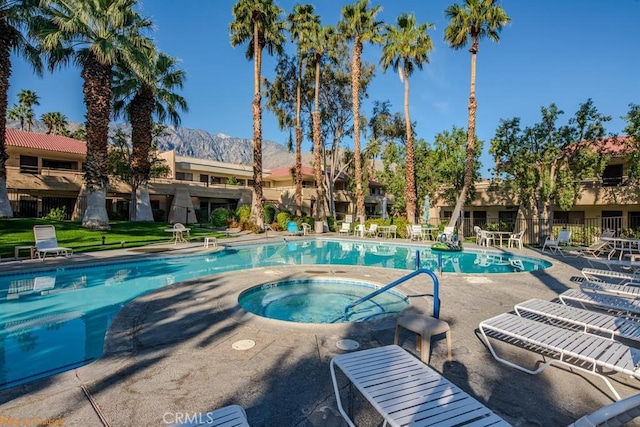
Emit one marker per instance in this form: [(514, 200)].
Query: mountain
[(203, 145)]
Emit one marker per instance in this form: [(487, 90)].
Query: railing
[(436, 291)]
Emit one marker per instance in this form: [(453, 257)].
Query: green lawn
[(19, 231)]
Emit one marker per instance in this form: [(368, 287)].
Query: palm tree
[(56, 123), (358, 24), (17, 112), (257, 22), (96, 35), (138, 98), (28, 99), (474, 21), (321, 38), (301, 24), (15, 17), (406, 47)]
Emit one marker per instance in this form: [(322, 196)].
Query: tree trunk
[(142, 107), (5, 73), (471, 135), (298, 177), (97, 98), (355, 94), (143, 204), (320, 213), (410, 191), (257, 211)]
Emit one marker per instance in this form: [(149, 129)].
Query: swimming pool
[(320, 300), (54, 320)]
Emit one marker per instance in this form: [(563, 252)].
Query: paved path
[(169, 353)]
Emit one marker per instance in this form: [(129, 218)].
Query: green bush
[(220, 217), (243, 213), (282, 218), (269, 214), (57, 214), (331, 222)]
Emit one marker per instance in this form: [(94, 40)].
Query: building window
[(480, 218), (59, 164), (612, 175), (634, 221), (28, 164), (204, 179), (183, 176)]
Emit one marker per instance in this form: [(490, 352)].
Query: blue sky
[(553, 51)]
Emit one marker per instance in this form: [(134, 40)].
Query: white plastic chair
[(345, 228), (47, 242), (554, 245), (486, 237), (516, 239), (372, 231)]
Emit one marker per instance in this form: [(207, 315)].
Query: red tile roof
[(41, 141), (612, 146)]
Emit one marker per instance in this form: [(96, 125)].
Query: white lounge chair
[(404, 390), (589, 321), (595, 274), (612, 415), (555, 245), (345, 228), (47, 242), (228, 416), (414, 232), (562, 346), (587, 298), (625, 291)]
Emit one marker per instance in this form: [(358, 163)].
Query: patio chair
[(555, 245), (228, 416), (587, 320), (414, 232), (476, 229), (575, 350), (47, 242), (596, 275), (609, 288), (392, 231), (306, 229), (292, 229), (406, 391), (516, 239), (372, 231), (359, 230), (486, 237), (587, 298), (345, 228), (614, 414)]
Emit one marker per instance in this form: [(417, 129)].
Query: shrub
[(57, 214), (331, 222), (220, 217), (269, 214), (243, 213), (401, 226), (282, 218)]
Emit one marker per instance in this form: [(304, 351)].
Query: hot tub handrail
[(430, 273)]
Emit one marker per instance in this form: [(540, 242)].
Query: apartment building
[(45, 172)]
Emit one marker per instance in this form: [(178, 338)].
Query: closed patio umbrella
[(384, 208), (427, 205)]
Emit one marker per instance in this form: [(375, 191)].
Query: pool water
[(54, 320), (320, 301)]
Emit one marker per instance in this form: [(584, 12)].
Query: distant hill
[(203, 145)]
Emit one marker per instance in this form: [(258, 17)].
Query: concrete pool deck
[(169, 353)]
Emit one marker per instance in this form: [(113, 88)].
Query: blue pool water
[(320, 301), (52, 321)]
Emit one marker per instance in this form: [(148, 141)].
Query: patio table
[(499, 234), (178, 234)]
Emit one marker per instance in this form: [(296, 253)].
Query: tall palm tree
[(138, 99), (96, 35), (473, 21), (407, 47), (15, 17), (56, 123), (358, 24), (259, 23), (301, 23), (322, 39), (28, 99)]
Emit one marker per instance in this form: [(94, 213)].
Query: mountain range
[(203, 145)]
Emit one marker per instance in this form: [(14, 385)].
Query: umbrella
[(384, 208), (425, 215)]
